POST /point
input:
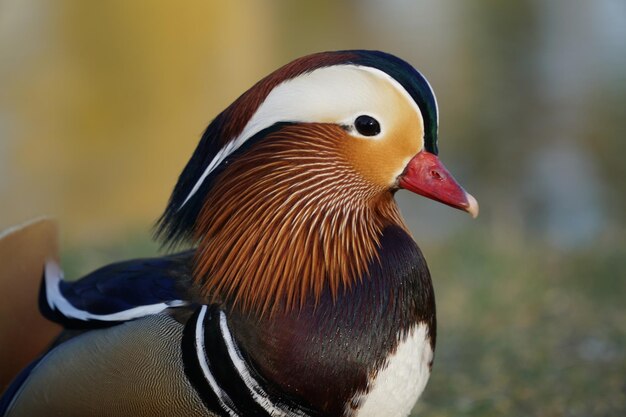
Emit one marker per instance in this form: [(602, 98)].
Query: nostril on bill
[(436, 174)]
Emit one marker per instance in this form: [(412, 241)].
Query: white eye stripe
[(336, 94)]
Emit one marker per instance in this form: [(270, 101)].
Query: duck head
[(291, 186)]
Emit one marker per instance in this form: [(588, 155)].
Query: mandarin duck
[(304, 293)]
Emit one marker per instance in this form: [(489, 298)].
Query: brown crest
[(287, 219)]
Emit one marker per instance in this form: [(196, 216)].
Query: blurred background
[(102, 103)]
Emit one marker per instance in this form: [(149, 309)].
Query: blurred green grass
[(527, 331), (522, 331)]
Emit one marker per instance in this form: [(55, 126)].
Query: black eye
[(367, 125)]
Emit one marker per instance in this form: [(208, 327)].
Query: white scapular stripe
[(257, 392), (397, 386), (56, 301), (335, 94), (222, 397)]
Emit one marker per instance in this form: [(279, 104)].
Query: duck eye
[(367, 125)]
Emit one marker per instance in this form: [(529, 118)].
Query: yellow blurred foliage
[(102, 103)]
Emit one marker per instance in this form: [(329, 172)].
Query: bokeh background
[(101, 104)]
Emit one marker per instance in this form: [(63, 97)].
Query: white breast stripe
[(222, 397), (56, 301), (258, 393), (334, 94)]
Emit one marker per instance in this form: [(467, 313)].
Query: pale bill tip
[(473, 208)]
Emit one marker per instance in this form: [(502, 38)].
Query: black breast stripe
[(222, 377), (274, 402), (193, 369), (223, 369)]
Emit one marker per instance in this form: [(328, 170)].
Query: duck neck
[(324, 354)]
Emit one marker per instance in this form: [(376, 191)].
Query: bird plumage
[(304, 295), (228, 131)]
